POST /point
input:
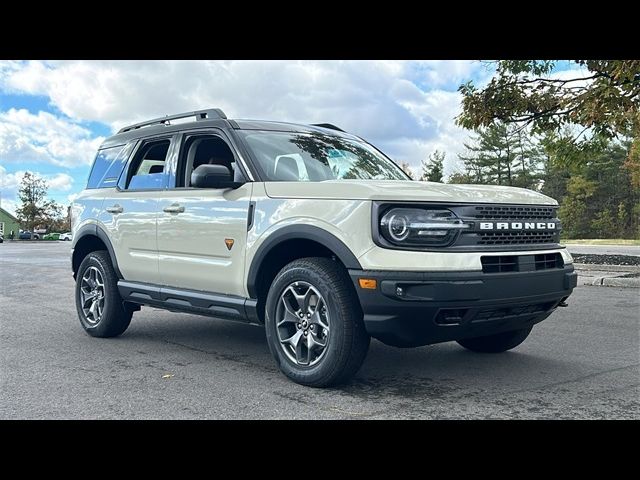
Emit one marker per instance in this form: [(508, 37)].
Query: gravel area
[(605, 259)]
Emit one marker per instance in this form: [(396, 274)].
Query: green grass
[(602, 241)]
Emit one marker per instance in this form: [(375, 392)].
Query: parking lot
[(582, 362)]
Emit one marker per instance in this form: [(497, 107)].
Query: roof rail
[(209, 114), (327, 125)]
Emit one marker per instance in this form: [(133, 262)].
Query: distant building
[(8, 224)]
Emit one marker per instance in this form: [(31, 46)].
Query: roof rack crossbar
[(209, 114), (327, 125)]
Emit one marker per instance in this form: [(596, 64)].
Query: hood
[(409, 191)]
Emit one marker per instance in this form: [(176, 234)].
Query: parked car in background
[(25, 235), (51, 236), (66, 236), (1, 239)]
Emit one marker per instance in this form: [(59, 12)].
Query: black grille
[(516, 238), (524, 237), (521, 263), (510, 312), (499, 264), (496, 212), (548, 261)]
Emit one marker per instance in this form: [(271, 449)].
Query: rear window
[(107, 167)]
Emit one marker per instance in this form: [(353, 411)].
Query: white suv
[(314, 233)]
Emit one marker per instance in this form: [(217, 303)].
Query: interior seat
[(209, 150)]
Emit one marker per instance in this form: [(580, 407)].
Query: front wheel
[(314, 323), (98, 302), (498, 343)]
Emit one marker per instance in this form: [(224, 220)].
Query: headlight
[(421, 227)]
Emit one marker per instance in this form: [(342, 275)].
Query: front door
[(202, 232)]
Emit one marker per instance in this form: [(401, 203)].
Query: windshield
[(314, 157)]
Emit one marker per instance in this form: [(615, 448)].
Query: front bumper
[(420, 308)]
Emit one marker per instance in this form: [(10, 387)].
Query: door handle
[(175, 208), (115, 209)]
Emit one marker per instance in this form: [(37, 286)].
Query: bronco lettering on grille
[(517, 226)]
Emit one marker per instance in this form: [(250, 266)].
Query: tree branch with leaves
[(605, 100)]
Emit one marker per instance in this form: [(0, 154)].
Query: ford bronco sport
[(313, 233)]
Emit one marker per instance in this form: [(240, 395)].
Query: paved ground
[(605, 249), (582, 362)]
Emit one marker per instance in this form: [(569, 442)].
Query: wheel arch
[(309, 235), (91, 238)]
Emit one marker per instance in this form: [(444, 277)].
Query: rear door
[(202, 232), (130, 211)]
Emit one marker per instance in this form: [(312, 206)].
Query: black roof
[(156, 127)]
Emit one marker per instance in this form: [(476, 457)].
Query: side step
[(229, 307)]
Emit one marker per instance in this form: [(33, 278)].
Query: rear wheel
[(98, 302), (498, 343), (314, 323)]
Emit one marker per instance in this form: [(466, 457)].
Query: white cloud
[(380, 100), (403, 107), (44, 138), (61, 182), (9, 205)]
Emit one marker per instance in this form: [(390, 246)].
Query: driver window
[(202, 150)]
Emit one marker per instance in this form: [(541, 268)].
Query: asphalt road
[(582, 362), (605, 249)]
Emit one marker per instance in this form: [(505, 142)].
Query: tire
[(498, 343), (347, 341), (113, 318)]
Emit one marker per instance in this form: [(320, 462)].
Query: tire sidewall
[(302, 373)]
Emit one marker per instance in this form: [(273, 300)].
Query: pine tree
[(432, 167), (501, 155)]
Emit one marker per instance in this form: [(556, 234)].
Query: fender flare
[(298, 232), (95, 230)]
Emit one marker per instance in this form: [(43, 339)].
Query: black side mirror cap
[(213, 176)]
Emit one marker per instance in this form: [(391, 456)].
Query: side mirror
[(213, 176)]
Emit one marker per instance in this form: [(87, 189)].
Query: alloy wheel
[(92, 295), (302, 323)]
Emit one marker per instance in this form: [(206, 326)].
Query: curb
[(606, 268), (616, 282)]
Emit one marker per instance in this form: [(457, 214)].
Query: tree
[(407, 169), (598, 198), (575, 210), (35, 208), (56, 219), (460, 178), (632, 164), (432, 168), (501, 155), (605, 100)]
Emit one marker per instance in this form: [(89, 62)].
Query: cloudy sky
[(53, 115)]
